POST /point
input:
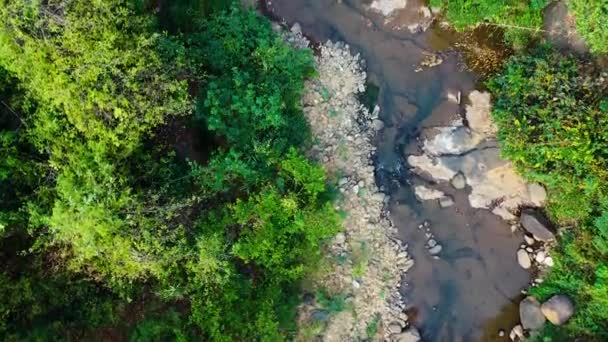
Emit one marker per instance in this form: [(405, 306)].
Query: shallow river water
[(471, 291)]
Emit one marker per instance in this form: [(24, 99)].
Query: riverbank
[(463, 285)]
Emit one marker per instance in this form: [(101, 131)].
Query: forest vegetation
[(108, 225), (551, 111)]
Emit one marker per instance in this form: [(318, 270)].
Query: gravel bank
[(366, 261)]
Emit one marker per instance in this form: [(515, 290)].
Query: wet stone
[(534, 225), (446, 201), (459, 181), (558, 309), (530, 314), (435, 250), (516, 333), (523, 259)]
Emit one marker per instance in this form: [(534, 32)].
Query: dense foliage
[(520, 18), (591, 22), (102, 212), (552, 116)]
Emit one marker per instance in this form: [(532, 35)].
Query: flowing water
[(471, 291)]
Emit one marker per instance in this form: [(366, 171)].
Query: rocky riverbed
[(366, 260), (431, 146)]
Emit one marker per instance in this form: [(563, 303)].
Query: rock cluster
[(535, 250), (343, 130), (470, 155), (533, 315)]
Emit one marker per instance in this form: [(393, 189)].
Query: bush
[(591, 22), (520, 18), (551, 113)]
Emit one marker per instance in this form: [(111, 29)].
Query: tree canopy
[(104, 209)]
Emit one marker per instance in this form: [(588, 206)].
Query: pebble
[(529, 239), (540, 257), (343, 181), (446, 201), (394, 328), (529, 249), (408, 264), (516, 332), (548, 261), (356, 284), (459, 181), (501, 333), (432, 243), (340, 238)]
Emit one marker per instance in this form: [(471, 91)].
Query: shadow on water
[(469, 293)]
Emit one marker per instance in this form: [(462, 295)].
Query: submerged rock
[(378, 124), (530, 314), (394, 328), (516, 333), (435, 249), (446, 201), (459, 181), (524, 259), (424, 193), (529, 239), (558, 309), (534, 225)]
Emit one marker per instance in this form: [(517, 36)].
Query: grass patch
[(360, 257)]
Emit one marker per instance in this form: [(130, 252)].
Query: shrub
[(551, 113), (591, 22)]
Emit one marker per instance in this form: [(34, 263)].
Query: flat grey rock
[(530, 314), (534, 225)]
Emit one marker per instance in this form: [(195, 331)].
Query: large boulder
[(558, 309), (410, 335), (535, 225), (530, 314)]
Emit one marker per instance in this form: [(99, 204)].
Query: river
[(471, 291)]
